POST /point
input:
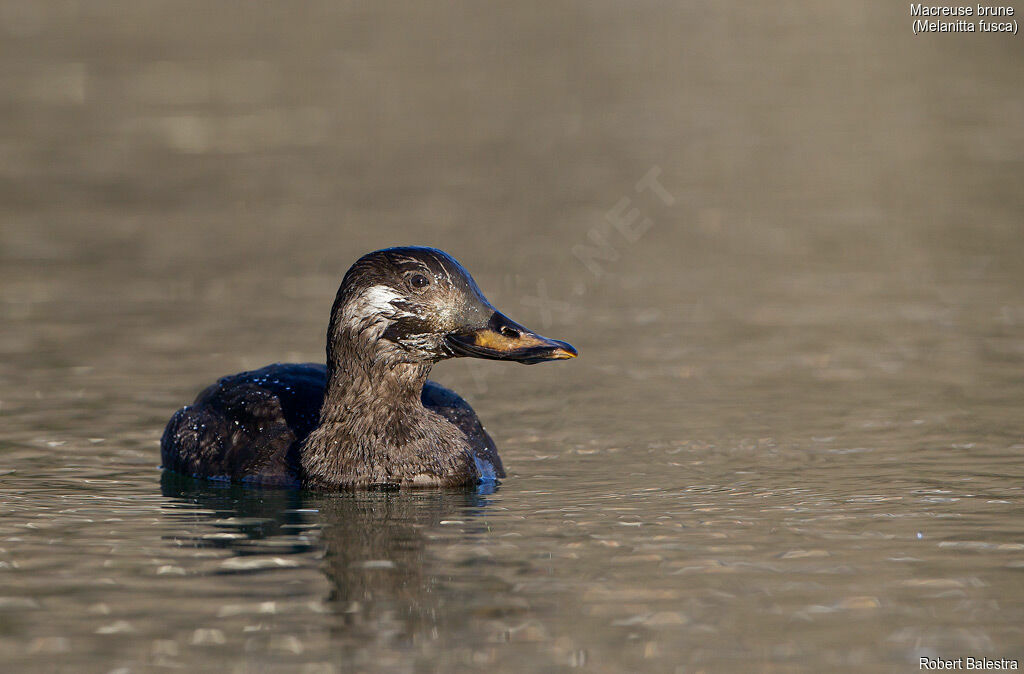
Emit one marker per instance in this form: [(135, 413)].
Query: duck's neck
[(373, 427), (360, 387)]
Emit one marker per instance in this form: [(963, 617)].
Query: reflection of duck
[(247, 515), (372, 546), (369, 418)]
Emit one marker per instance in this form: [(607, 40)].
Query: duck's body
[(369, 417), (250, 428)]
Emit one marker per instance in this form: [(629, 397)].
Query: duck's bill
[(503, 339)]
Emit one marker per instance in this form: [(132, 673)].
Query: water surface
[(792, 441)]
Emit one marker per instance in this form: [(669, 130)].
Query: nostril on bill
[(511, 333)]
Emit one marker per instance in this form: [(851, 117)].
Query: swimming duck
[(370, 418)]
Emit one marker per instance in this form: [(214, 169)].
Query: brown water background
[(793, 440)]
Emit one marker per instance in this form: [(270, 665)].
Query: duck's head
[(419, 305)]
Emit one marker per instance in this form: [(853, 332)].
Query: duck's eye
[(419, 281)]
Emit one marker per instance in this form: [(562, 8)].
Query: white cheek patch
[(373, 306), (378, 299)]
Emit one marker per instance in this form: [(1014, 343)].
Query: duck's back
[(249, 427)]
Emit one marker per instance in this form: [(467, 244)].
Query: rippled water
[(793, 438)]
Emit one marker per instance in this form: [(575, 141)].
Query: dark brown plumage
[(369, 418)]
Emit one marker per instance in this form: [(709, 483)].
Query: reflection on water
[(792, 440), (382, 587)]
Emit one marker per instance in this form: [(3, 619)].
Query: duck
[(368, 418)]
